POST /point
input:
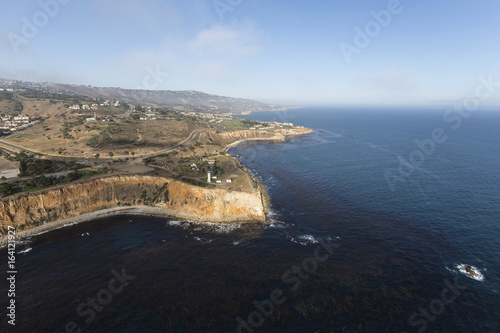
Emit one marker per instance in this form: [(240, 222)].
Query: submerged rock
[(471, 272)]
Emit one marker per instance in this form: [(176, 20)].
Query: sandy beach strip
[(117, 211)]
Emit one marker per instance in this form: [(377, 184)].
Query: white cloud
[(236, 40), (214, 54)]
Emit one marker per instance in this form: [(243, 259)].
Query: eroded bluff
[(174, 197)]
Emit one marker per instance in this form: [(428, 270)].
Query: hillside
[(179, 100)]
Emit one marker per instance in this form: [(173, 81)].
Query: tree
[(5, 189), (73, 176), (111, 154), (97, 155)]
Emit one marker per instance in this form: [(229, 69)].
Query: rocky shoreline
[(280, 138), (112, 196), (130, 194), (118, 211)]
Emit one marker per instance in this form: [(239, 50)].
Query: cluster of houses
[(228, 180), (13, 85), (271, 125), (110, 103), (94, 118), (211, 117), (148, 116), (218, 118), (17, 123), (94, 106), (85, 107)]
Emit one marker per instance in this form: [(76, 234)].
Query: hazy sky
[(282, 51)]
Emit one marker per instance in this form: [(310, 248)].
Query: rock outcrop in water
[(170, 196)]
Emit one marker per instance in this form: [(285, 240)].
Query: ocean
[(378, 221)]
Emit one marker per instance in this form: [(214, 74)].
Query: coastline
[(118, 211), (285, 136), (156, 211), (261, 187), (237, 143)]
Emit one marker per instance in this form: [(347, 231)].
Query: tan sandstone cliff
[(169, 196), (277, 134)]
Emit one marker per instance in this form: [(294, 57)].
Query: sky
[(331, 52)]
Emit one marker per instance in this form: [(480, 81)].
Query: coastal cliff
[(226, 138), (166, 196)]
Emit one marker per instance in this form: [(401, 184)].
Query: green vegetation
[(4, 132), (68, 126), (160, 192), (6, 95), (196, 182), (42, 182), (39, 94), (239, 124), (31, 167), (185, 168), (148, 160), (123, 134), (103, 138), (12, 106), (79, 174)]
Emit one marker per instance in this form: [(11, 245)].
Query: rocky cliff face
[(174, 197), (278, 134), (249, 134)]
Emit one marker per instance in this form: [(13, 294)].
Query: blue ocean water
[(449, 204), (455, 190), (392, 249)]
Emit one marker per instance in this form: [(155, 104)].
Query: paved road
[(183, 144), (7, 150), (26, 150), (55, 174)]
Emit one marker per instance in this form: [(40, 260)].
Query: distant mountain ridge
[(191, 100)]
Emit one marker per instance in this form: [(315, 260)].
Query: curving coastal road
[(194, 136)]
